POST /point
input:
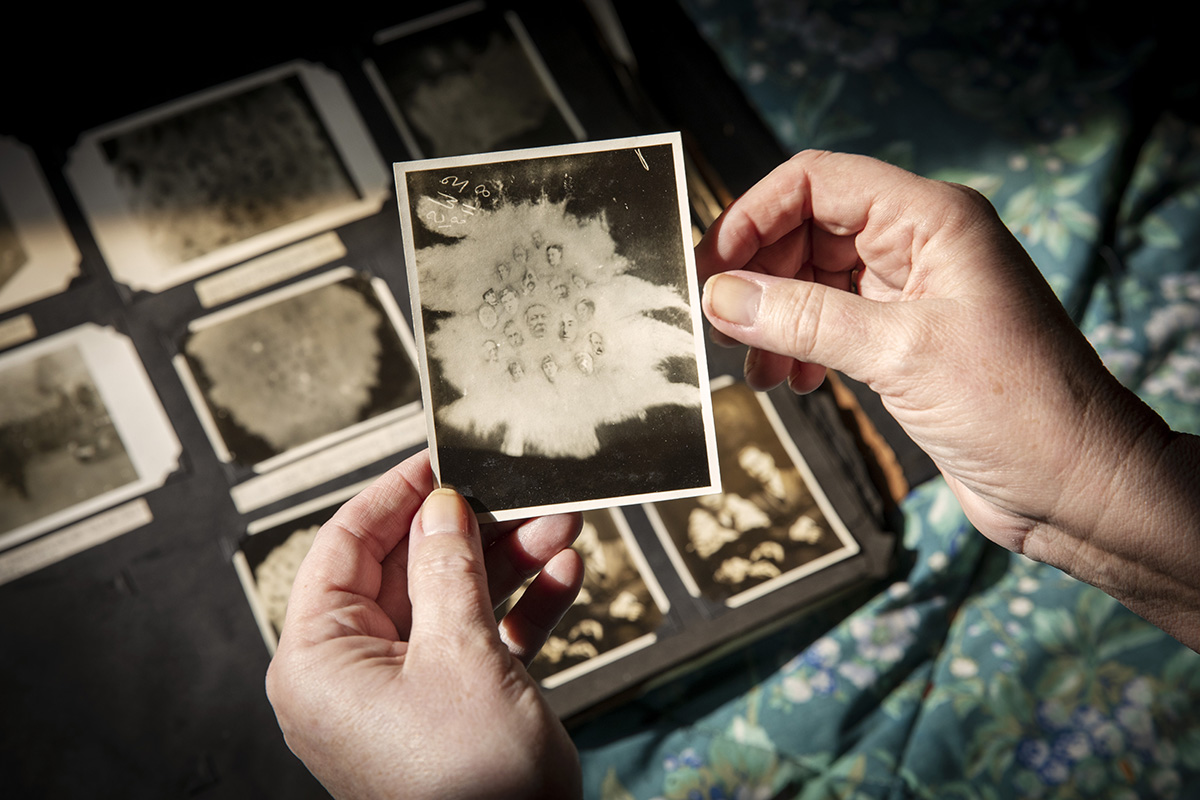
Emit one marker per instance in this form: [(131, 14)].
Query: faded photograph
[(469, 84), (558, 326), (38, 255), (274, 557), (58, 445), (217, 174), (12, 255), (298, 365), (614, 609), (765, 526)]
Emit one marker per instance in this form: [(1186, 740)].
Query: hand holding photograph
[(558, 325)]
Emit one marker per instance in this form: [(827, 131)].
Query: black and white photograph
[(770, 526), (619, 610), (558, 324), (270, 553), (81, 429), (38, 255), (225, 175), (298, 369), (468, 80)]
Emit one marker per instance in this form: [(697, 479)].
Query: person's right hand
[(969, 349)]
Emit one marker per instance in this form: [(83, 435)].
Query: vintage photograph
[(80, 430), (619, 609), (468, 80), (770, 525), (225, 175), (270, 554), (38, 255), (558, 324), (300, 368)]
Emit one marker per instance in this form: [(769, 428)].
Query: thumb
[(810, 322), (447, 579)]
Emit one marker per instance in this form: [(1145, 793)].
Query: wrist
[(1130, 523)]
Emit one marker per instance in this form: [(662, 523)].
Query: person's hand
[(915, 288), (392, 679)]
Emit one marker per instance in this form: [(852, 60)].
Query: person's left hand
[(392, 678)]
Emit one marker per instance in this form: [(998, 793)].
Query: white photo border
[(674, 140)]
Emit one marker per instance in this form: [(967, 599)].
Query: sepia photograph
[(619, 609), (270, 553), (558, 325), (468, 80), (771, 524), (225, 175), (298, 369), (80, 430), (38, 254)]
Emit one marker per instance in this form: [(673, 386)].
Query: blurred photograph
[(38, 255), (468, 80), (300, 368), (80, 430), (225, 175)]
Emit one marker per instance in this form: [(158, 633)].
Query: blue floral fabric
[(975, 673)]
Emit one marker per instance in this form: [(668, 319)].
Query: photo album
[(249, 326)]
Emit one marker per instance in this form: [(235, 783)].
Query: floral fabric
[(975, 673)]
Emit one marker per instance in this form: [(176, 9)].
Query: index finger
[(836, 193)]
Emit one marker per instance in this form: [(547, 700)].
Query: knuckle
[(794, 319), (446, 563), (967, 205)]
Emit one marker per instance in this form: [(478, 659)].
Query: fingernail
[(733, 299), (443, 512)]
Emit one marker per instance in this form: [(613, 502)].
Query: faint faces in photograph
[(488, 316), (549, 368), (537, 320), (513, 334), (567, 329), (508, 300), (584, 363)]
